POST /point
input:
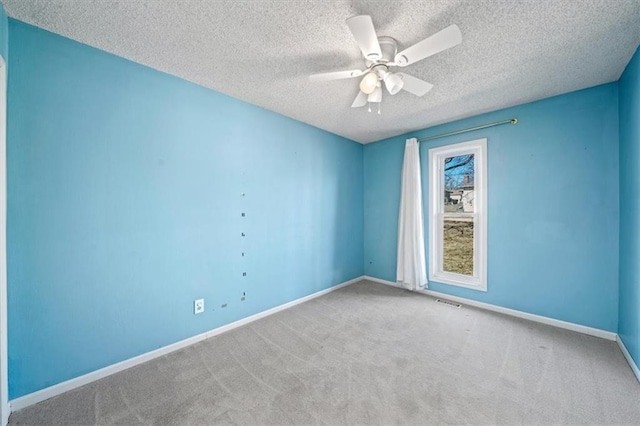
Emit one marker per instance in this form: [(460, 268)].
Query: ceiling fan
[(381, 54)]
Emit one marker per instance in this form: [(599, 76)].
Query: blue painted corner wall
[(126, 189), (552, 206), (629, 319), (4, 397)]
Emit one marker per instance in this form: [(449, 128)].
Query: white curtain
[(412, 269)]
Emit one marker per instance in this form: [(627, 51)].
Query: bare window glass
[(457, 245), (458, 221)]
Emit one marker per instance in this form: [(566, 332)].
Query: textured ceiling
[(263, 51)]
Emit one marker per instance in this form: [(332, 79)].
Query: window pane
[(459, 194), (457, 214), (458, 244)]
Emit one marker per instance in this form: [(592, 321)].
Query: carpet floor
[(366, 354)]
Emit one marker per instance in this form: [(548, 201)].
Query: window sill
[(459, 281)]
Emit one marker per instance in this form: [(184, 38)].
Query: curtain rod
[(470, 129)]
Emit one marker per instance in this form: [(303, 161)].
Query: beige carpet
[(367, 354)]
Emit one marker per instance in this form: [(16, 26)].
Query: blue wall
[(552, 199), (629, 321), (125, 198), (4, 408)]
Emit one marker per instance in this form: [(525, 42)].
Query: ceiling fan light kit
[(393, 83), (376, 95), (381, 53), (369, 82)]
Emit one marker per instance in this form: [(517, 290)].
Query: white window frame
[(437, 156), (4, 376)]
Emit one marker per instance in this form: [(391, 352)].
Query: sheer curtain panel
[(411, 270)]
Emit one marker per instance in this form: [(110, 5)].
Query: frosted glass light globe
[(369, 82), (393, 82)]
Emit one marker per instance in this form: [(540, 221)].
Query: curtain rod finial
[(514, 121)]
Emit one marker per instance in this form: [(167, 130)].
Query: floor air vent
[(448, 302)]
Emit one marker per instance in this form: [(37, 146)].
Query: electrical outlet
[(198, 306)]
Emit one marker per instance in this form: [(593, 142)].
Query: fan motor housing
[(389, 48)]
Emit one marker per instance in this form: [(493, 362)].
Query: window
[(457, 214)]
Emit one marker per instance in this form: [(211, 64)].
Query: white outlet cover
[(198, 306)]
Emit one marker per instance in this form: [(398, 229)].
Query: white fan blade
[(360, 100), (338, 75), (414, 85), (361, 27), (445, 39)]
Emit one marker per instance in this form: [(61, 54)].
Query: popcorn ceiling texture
[(263, 51)]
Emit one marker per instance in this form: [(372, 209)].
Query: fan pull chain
[(379, 103), (369, 106)]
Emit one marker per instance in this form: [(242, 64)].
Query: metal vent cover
[(449, 303)]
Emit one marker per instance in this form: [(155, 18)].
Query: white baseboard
[(46, 393), (630, 360), (531, 317)]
